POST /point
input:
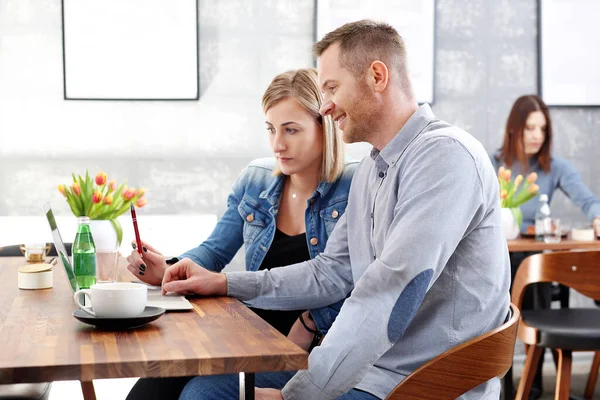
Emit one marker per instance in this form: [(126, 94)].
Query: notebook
[(170, 301)]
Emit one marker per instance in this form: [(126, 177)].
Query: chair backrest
[(463, 367), (575, 269)]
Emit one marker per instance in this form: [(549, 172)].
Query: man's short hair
[(365, 41)]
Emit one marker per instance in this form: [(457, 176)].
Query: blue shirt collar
[(391, 153)]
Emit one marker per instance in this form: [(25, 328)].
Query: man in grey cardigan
[(420, 246)]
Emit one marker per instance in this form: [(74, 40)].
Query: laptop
[(61, 250), (170, 302)]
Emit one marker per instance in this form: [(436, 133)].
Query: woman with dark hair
[(527, 148)]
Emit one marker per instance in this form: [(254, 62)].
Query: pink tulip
[(128, 194), (96, 197), (140, 192), (507, 174), (141, 202), (101, 178)]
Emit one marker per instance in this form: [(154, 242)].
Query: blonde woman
[(282, 209)]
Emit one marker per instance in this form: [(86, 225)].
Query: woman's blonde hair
[(303, 86)]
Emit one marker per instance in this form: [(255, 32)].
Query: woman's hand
[(299, 335), (151, 268), (596, 225)]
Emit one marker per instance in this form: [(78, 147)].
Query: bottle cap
[(83, 220), (543, 197)]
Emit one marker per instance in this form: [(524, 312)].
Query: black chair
[(24, 391), (15, 250)]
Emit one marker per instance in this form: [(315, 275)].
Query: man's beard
[(364, 124)]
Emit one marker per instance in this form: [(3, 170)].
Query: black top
[(285, 250)]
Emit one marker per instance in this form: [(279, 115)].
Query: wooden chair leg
[(531, 361), (88, 390), (563, 375), (591, 382)]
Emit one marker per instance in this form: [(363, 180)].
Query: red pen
[(137, 232)]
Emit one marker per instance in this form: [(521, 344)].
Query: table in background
[(530, 244), (40, 340)]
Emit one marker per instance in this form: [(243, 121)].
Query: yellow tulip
[(518, 180), (108, 199), (61, 189), (503, 194), (532, 177), (76, 188)]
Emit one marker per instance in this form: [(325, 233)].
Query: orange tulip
[(61, 189), (140, 192), (501, 171), (112, 186), (128, 194), (96, 197), (141, 202), (533, 188), (503, 194), (532, 177), (76, 189), (101, 178), (507, 174), (108, 199)]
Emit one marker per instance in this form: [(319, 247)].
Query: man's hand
[(267, 394), (150, 268), (187, 277), (596, 225)]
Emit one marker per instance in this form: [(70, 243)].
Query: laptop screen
[(60, 247)]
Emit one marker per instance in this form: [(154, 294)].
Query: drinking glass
[(106, 266), (552, 232)]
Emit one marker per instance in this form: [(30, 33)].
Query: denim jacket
[(250, 220)]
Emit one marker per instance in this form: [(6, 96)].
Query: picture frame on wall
[(130, 49), (414, 21), (568, 59)]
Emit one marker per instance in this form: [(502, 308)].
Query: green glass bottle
[(84, 254)]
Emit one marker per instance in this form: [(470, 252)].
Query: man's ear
[(380, 75)]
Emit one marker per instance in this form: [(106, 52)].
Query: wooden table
[(530, 244), (41, 341)]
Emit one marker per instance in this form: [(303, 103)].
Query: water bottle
[(84, 254), (542, 218)]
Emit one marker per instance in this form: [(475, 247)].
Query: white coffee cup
[(114, 300)]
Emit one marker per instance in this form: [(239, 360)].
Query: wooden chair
[(463, 367), (564, 330)]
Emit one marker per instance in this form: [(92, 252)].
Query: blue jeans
[(226, 387)]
